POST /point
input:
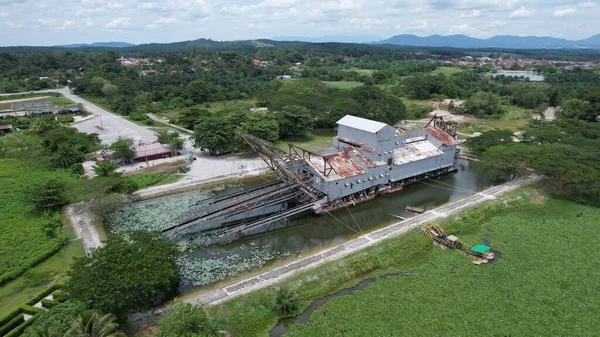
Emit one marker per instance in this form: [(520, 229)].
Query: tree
[(484, 104), (213, 133), (185, 320), (294, 120), (262, 126), (506, 162), (123, 148), (134, 271), (286, 302), (106, 206), (56, 321), (577, 109), (67, 156), (91, 324), (47, 196), (106, 168), (479, 144)]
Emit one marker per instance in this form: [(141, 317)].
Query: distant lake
[(533, 76)]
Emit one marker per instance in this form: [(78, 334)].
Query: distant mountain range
[(452, 41), (99, 44), (330, 38), (498, 41)]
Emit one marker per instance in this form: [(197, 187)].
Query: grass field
[(514, 119), (543, 284), (343, 84), (23, 242), (446, 71), (214, 106), (19, 290), (367, 72), (316, 141)]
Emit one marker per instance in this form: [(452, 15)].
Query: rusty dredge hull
[(369, 159)]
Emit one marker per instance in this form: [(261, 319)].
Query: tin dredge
[(369, 159)]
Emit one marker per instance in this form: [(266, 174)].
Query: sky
[(46, 23)]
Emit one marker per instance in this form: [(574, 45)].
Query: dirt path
[(83, 223), (268, 278)]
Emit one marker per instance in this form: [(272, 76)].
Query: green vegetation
[(446, 71), (185, 320), (343, 84), (23, 240), (565, 152), (286, 302), (53, 269), (523, 226), (138, 271), (533, 289), (317, 141)]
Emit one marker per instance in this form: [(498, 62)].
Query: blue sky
[(44, 22)]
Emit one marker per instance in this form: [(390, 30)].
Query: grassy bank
[(544, 284), (343, 84), (316, 141), (19, 290)]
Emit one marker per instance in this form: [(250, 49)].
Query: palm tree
[(48, 331), (91, 324), (67, 155)]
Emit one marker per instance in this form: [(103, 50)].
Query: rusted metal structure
[(448, 126), (437, 234), (369, 159)]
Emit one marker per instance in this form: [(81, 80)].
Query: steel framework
[(288, 167), (295, 152), (448, 126)]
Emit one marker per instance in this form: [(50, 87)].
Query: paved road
[(109, 126)]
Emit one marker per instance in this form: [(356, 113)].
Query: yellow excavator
[(437, 234)]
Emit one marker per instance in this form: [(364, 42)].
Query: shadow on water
[(284, 324)]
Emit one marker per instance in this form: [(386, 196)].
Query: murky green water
[(312, 233)]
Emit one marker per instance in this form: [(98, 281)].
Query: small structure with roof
[(5, 128), (152, 151), (481, 253)]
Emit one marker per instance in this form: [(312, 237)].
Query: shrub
[(286, 302), (106, 169), (77, 169), (47, 196), (185, 320)]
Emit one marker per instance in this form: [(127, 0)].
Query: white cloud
[(89, 23), (367, 21), (54, 23), (90, 11), (148, 5), (3, 15), (497, 23), (166, 20), (114, 5), (92, 3), (565, 12), (47, 22), (463, 28), (587, 4), (118, 22), (472, 14), (522, 12)]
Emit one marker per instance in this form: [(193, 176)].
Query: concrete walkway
[(83, 224)]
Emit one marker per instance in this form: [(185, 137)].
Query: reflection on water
[(317, 232)]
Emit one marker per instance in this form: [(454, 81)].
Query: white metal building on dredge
[(371, 157)]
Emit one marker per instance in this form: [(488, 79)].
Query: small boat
[(415, 209), (397, 216)]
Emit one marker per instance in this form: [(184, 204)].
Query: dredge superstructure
[(369, 159)]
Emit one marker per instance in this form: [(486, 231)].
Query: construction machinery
[(438, 235)]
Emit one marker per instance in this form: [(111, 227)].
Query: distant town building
[(5, 128), (284, 77)]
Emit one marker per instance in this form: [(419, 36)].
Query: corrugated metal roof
[(415, 151), (442, 136), (354, 153), (361, 123), (343, 166), (151, 149), (353, 143)]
